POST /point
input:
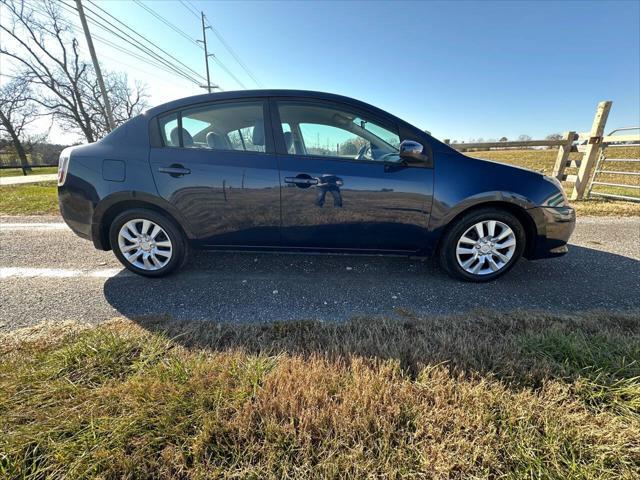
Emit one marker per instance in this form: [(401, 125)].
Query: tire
[(457, 255), (164, 254)]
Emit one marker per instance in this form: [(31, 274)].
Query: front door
[(343, 184), (216, 168)]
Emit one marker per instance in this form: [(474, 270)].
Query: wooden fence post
[(592, 151), (563, 155)]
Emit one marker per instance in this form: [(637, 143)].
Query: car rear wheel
[(147, 243), (482, 245)]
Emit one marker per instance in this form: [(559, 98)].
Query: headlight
[(559, 199)]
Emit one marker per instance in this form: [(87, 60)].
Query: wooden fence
[(590, 144)]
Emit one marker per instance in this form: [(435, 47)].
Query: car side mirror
[(412, 151)]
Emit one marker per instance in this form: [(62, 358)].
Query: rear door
[(217, 167), (343, 184)]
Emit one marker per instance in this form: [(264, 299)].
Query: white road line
[(26, 272), (33, 226)]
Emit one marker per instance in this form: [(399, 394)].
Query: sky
[(462, 70)]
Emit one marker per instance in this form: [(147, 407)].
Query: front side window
[(228, 126), (321, 130)]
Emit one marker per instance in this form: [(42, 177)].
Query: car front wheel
[(482, 245), (147, 243)]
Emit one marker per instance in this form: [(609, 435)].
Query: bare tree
[(524, 138), (554, 136), (504, 139), (65, 85), (126, 101), (17, 112)]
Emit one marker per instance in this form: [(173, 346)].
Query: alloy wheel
[(486, 247), (145, 244)]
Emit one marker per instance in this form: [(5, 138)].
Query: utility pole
[(107, 105), (206, 54)]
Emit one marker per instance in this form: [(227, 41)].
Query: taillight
[(63, 166)]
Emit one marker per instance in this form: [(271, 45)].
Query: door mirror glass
[(411, 151)]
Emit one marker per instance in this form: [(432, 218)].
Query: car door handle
[(175, 170), (301, 180)]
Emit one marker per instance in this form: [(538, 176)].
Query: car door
[(343, 184), (216, 166)]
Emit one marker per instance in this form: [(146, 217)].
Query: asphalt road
[(47, 273)]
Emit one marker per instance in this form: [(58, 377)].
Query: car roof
[(240, 94)]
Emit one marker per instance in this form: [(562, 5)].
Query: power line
[(196, 42), (191, 3), (146, 50), (173, 27), (139, 35), (155, 59), (194, 11), (115, 46), (191, 74), (134, 55), (224, 67), (167, 22), (234, 54)]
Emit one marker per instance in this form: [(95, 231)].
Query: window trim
[(276, 125), (266, 115)]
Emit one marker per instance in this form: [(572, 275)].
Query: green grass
[(482, 395), (17, 172), (29, 199)]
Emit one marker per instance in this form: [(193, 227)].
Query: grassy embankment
[(29, 199), (478, 396), (41, 198)]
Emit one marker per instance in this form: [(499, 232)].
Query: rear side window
[(227, 126), (168, 124)]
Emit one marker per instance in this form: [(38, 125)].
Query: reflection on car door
[(332, 201), (215, 169)]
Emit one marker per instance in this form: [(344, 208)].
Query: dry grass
[(606, 208), (478, 396)]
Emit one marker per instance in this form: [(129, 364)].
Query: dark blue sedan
[(282, 170)]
